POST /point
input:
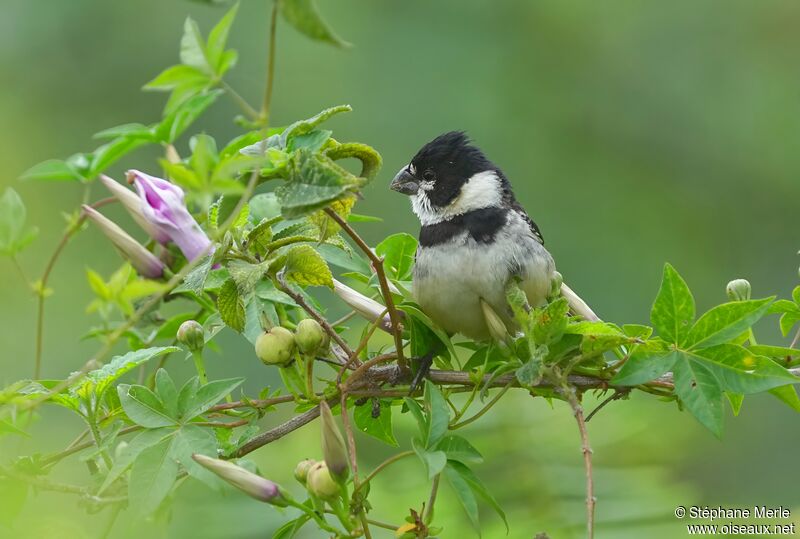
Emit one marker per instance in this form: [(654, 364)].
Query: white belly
[(451, 278)]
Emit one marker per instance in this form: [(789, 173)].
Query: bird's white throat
[(481, 190)]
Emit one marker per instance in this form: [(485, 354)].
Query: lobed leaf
[(673, 311)]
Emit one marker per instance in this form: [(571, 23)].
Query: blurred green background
[(634, 133)]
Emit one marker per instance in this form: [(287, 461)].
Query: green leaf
[(177, 121), (290, 529), (458, 448), (438, 414), (413, 312), (530, 373), (174, 77), (142, 441), (416, 410), (108, 154), (14, 235), (637, 331), (398, 252), (231, 306), (144, 407), (725, 322), (306, 267), (187, 394), (313, 182), (53, 170), (99, 380), (464, 494), (192, 439), (477, 487), (196, 279), (644, 366), (700, 391), (258, 238), (550, 323), (788, 321), (207, 396), (246, 275), (740, 371), (434, 461), (152, 476), (167, 392), (193, 49), (673, 311), (217, 39), (306, 19), (787, 395), (774, 351), (378, 427)]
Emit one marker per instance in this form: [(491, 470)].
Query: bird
[(475, 238)]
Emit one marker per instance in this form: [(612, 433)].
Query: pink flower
[(163, 207)]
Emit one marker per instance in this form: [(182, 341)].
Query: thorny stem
[(377, 265), (42, 287), (270, 64)]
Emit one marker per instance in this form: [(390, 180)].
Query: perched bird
[(475, 238)]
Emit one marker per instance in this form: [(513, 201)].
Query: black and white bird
[(475, 238)]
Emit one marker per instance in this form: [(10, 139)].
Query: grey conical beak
[(405, 183)]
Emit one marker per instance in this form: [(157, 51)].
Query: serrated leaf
[(258, 238), (398, 251), (196, 279), (152, 476), (143, 407), (99, 380), (246, 275), (530, 373), (725, 322), (306, 19), (305, 266), (673, 311), (231, 306), (378, 427)]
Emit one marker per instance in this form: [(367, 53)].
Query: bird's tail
[(577, 305)]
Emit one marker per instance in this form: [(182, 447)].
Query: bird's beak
[(405, 183)]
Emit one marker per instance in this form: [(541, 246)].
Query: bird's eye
[(428, 175)]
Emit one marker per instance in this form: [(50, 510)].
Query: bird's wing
[(517, 207)]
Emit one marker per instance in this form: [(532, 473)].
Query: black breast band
[(482, 225)]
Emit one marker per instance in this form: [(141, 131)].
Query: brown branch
[(278, 432), (377, 265)]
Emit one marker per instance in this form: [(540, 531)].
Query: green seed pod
[(276, 347), (738, 290), (191, 335), (310, 336), (321, 484), (302, 469), (333, 447)]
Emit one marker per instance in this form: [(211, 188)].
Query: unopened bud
[(333, 448), (302, 469), (191, 335), (251, 484), (310, 336), (497, 328), (321, 484), (738, 290), (276, 347)]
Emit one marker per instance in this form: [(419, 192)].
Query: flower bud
[(191, 335), (333, 448), (130, 201), (310, 336), (738, 290), (145, 262), (366, 307), (276, 347), (251, 484), (302, 469), (321, 484), (497, 328)]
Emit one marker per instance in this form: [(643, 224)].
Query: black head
[(441, 168)]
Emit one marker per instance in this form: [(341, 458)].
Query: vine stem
[(428, 518), (240, 101), (273, 25), (48, 269), (383, 465), (377, 265), (577, 410), (483, 410)]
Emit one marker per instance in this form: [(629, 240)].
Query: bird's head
[(448, 177)]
